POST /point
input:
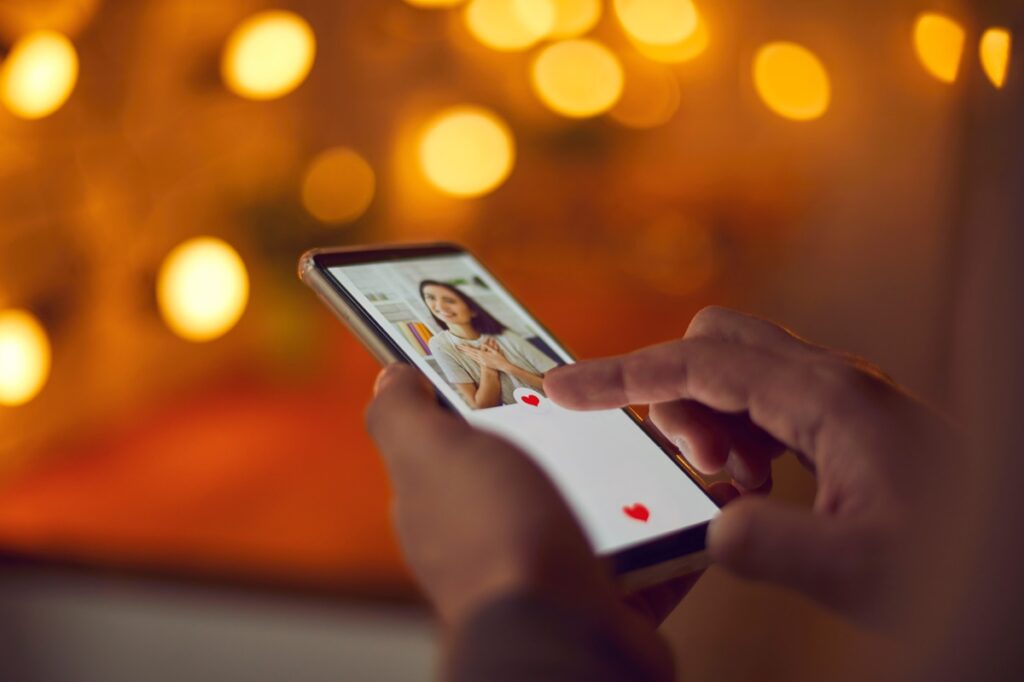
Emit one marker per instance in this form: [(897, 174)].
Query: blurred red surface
[(255, 481), (246, 480)]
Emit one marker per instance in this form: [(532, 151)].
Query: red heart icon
[(531, 400), (638, 512)]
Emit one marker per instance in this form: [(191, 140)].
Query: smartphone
[(437, 307)]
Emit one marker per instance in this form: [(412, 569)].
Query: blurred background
[(180, 420)]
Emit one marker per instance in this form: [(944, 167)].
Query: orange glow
[(466, 151), (573, 18), (673, 254), (20, 17), (792, 81), (268, 55), (685, 50), (510, 25), (38, 75), (202, 289), (939, 42), (24, 357), (577, 78), (995, 50), (651, 97), (657, 22), (435, 3), (338, 186)]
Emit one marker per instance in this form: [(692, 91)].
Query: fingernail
[(684, 447), (383, 377)]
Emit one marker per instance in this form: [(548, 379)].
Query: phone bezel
[(633, 559)]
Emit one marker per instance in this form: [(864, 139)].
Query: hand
[(488, 355), (737, 392), (477, 519)]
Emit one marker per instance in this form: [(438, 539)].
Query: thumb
[(826, 558), (404, 404)]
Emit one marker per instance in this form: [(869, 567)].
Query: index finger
[(724, 324), (801, 403), (715, 322)]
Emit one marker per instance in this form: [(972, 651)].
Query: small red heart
[(638, 512), (531, 400)]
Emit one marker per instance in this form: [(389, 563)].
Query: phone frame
[(636, 566)]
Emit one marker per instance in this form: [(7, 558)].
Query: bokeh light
[(939, 42), (510, 25), (466, 151), (38, 75), (577, 78), (268, 55), (792, 81), (573, 18), (202, 288), (338, 186), (685, 50), (994, 50), (657, 22), (24, 357), (650, 98)]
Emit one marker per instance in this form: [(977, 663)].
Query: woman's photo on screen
[(481, 357)]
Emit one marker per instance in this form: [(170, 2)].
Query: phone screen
[(487, 356)]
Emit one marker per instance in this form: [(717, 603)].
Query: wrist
[(534, 631)]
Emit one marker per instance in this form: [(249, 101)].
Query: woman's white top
[(459, 368)]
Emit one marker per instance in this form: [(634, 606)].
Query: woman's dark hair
[(483, 322)]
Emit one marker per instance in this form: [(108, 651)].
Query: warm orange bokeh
[(245, 456)]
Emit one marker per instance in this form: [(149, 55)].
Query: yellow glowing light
[(38, 75), (939, 42), (995, 54), (435, 3), (651, 96), (466, 151), (202, 288), (268, 55), (338, 186), (24, 357), (689, 48), (657, 22), (792, 81), (573, 18), (577, 78), (510, 25)]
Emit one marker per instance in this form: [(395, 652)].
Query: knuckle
[(707, 317), (844, 384), (658, 416)]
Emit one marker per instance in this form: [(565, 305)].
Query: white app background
[(622, 487)]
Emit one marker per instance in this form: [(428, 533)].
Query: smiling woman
[(481, 357)]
